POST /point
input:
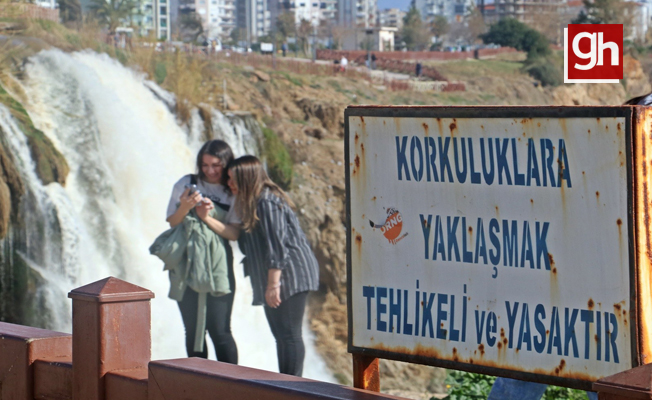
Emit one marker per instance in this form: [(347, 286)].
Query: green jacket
[(195, 256)]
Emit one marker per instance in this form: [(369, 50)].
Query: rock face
[(11, 189)]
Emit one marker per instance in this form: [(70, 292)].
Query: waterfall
[(125, 150)]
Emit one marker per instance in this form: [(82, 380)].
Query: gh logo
[(601, 45)]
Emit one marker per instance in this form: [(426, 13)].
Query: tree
[(70, 11), (303, 34), (285, 25), (512, 33), (607, 12), (192, 28), (414, 33), (113, 12), (439, 26)]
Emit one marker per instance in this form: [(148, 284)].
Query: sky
[(402, 4)]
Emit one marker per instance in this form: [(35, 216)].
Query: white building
[(391, 17), (254, 18), (308, 10), (357, 13), (453, 10)]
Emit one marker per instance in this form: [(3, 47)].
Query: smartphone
[(193, 188)]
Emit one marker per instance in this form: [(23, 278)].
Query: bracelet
[(278, 285)]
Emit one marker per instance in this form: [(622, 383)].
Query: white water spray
[(125, 151)]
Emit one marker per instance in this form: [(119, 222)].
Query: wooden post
[(20, 347), (111, 326), (366, 373), (633, 383)]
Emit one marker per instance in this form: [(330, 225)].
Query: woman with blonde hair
[(278, 258)]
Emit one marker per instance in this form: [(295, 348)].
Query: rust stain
[(532, 201), (357, 161), (617, 307), (539, 124), (500, 345), (362, 119), (362, 148), (591, 304), (357, 138), (595, 337), (481, 348), (373, 198), (589, 131), (470, 230), (358, 242), (502, 330), (597, 194), (554, 270), (453, 127), (618, 126), (552, 261), (426, 129)]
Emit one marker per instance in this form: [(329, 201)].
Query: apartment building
[(391, 17), (453, 10), (357, 13), (254, 17)]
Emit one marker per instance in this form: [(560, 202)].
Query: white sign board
[(494, 243)]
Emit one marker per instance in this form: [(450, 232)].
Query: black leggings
[(285, 321), (218, 325), (218, 320)]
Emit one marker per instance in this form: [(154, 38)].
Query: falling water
[(125, 150)]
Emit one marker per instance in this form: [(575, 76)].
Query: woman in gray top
[(278, 258)]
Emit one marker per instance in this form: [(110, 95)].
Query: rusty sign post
[(510, 241)]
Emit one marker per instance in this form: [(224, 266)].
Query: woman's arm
[(227, 231), (186, 203), (273, 291)]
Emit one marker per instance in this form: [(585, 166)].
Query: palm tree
[(112, 12)]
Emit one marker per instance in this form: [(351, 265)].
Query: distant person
[(513, 389), (373, 61), (211, 191), (278, 259), (284, 48), (343, 63), (418, 70)]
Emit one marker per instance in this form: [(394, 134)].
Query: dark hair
[(219, 149), (251, 179), (635, 100)]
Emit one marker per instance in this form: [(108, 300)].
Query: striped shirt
[(278, 242)]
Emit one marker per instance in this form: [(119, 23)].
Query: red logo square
[(593, 53)]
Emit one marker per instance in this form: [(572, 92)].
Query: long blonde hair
[(251, 179)]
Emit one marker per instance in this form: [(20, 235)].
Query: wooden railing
[(107, 357)]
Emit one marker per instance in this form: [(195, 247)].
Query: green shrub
[(279, 162), (469, 386), (544, 70)]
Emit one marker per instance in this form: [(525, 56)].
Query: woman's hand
[(273, 295), (203, 208), (187, 201), (273, 291)]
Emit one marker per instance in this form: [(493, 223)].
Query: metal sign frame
[(638, 347)]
